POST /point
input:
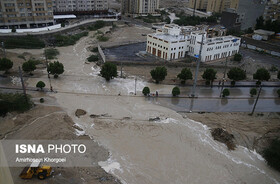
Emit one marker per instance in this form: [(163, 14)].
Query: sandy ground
[(173, 150), (254, 132)]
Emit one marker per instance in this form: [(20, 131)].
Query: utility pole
[(194, 7), (3, 47), (197, 67), (135, 85), (223, 82), (256, 101), (47, 69), (22, 83), (121, 70)]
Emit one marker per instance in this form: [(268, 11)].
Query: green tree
[(185, 75), (159, 74), (175, 91), (272, 154), (40, 85), (253, 92), (56, 68), (5, 64), (262, 74), (260, 23), (109, 71), (236, 74), (209, 75), (29, 66), (226, 92), (146, 91), (93, 58), (237, 57)]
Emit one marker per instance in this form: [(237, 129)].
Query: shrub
[(98, 25), (95, 49), (146, 91), (66, 40), (226, 92), (62, 24), (40, 85), (237, 57), (158, 74), (42, 100), (25, 42), (272, 154), (175, 91), (14, 30), (102, 38), (10, 102), (5, 64), (109, 71), (51, 53), (29, 66), (253, 92), (93, 58)]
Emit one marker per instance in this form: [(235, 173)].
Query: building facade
[(26, 13), (174, 42), (79, 5), (213, 5), (272, 10), (140, 7)]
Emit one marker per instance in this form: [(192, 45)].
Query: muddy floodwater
[(174, 149)]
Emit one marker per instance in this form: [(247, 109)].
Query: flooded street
[(174, 149)]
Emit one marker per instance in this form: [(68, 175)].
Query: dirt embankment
[(51, 123), (253, 132)]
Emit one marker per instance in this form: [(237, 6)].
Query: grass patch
[(98, 25), (24, 42), (10, 102), (102, 38), (272, 154), (51, 53), (93, 58), (63, 40)]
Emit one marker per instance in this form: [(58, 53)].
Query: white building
[(175, 42)]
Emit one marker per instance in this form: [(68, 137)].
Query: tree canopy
[(175, 91), (40, 85), (146, 91), (209, 74), (159, 74), (185, 75), (29, 66), (236, 74), (56, 68), (5, 64), (109, 71), (262, 74)]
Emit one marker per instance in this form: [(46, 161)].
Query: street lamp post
[(224, 78)]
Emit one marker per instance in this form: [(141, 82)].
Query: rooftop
[(264, 32), (169, 38)]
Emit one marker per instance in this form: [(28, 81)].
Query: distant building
[(26, 14), (263, 34), (272, 10), (140, 7), (213, 5), (70, 6), (230, 19), (175, 42)]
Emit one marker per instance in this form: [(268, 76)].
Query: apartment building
[(213, 5), (174, 42), (79, 5), (272, 10), (140, 7), (26, 13)]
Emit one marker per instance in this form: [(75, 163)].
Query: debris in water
[(154, 119), (80, 112), (223, 136)]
